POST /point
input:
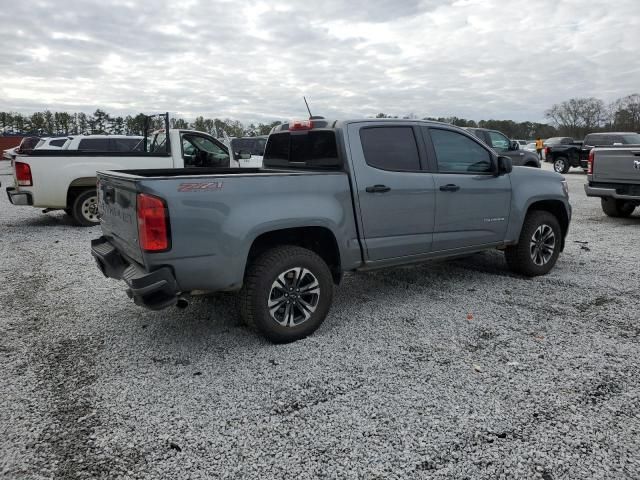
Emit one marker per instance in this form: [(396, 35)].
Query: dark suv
[(503, 146)]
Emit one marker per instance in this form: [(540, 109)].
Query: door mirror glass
[(243, 155), (515, 146)]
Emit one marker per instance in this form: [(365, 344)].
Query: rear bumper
[(154, 290), (19, 198), (605, 192)]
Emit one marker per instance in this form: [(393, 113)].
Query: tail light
[(547, 151), (23, 174), (300, 125), (592, 158), (153, 223)]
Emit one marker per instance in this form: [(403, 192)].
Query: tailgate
[(117, 207), (617, 165)]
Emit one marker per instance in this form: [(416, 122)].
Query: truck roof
[(322, 123)]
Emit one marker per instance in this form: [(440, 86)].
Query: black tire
[(527, 259), (533, 165), (561, 165), (85, 209), (261, 284), (69, 211), (617, 208)]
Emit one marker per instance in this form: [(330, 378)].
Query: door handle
[(377, 189), (450, 188)]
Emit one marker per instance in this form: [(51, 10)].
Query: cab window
[(200, 151), (457, 153)]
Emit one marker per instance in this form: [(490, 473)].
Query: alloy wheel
[(542, 245), (294, 297)]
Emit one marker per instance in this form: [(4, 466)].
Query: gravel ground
[(452, 370)]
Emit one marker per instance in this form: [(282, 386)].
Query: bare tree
[(578, 116)]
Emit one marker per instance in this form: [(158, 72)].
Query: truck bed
[(215, 215)]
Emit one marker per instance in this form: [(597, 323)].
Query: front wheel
[(85, 209), (616, 208), (538, 247), (287, 293), (561, 165)]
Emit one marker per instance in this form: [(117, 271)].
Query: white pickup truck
[(66, 179)]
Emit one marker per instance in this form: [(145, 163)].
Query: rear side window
[(314, 149), (58, 143), (94, 144), (390, 148), (457, 153)]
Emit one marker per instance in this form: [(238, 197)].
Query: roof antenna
[(311, 117), (308, 109)]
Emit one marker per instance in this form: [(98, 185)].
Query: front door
[(395, 196), (472, 204)]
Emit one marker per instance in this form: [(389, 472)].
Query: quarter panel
[(213, 230)]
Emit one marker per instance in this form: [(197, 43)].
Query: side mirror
[(515, 146), (505, 165), (243, 155)]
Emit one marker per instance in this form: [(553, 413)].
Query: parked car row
[(323, 198)]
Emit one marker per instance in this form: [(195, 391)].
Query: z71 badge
[(199, 187), (636, 164)]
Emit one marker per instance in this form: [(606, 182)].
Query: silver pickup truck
[(614, 175), (332, 197)]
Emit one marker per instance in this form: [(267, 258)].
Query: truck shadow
[(52, 219), (214, 320)]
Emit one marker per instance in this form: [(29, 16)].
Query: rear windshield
[(557, 140), (313, 149)]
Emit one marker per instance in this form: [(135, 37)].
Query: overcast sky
[(254, 60)]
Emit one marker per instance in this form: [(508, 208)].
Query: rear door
[(395, 193), (472, 204)]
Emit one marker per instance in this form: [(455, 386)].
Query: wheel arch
[(320, 240), (77, 186), (558, 210)]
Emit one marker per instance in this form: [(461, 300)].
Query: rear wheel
[(616, 208), (538, 247), (287, 293), (85, 209), (561, 165)]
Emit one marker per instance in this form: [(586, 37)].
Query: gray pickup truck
[(614, 175), (332, 197)]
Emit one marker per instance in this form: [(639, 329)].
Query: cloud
[(255, 60)]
